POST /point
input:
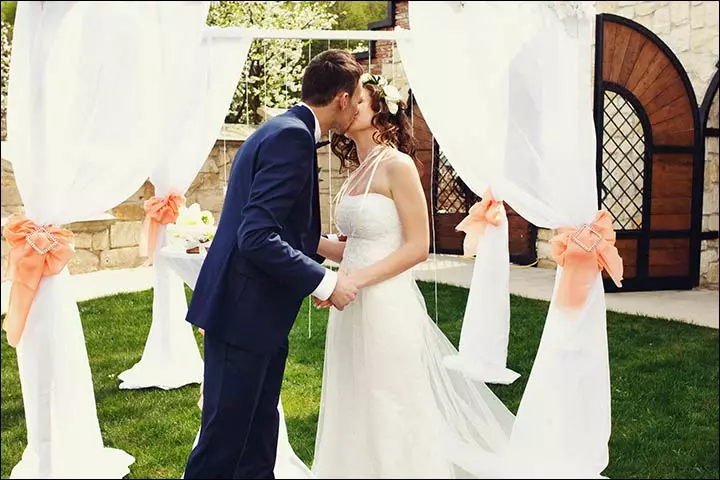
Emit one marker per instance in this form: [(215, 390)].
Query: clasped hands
[(346, 290)]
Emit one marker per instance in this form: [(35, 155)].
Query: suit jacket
[(262, 261)]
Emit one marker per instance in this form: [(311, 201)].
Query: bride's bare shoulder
[(400, 163)]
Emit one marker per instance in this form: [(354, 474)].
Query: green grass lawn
[(664, 388)]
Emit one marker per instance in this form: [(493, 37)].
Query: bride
[(389, 408)]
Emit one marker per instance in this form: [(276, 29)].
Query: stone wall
[(11, 203), (208, 189), (108, 241), (330, 182), (689, 28)]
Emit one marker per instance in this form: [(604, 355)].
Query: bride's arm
[(409, 199), (331, 249)]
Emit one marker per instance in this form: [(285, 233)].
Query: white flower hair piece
[(388, 92)]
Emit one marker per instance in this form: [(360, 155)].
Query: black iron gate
[(451, 201)]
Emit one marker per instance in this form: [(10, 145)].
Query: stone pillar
[(711, 208)]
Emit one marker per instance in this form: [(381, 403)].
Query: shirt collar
[(317, 122)]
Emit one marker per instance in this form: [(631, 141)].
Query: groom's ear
[(343, 99)]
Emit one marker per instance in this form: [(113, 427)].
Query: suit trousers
[(239, 431)]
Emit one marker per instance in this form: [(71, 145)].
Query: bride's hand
[(321, 303)]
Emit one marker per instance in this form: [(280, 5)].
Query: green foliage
[(6, 45), (274, 68), (357, 15), (352, 16), (8, 12)]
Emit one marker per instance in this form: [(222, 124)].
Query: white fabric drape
[(530, 136), (485, 329), (200, 73), (564, 418), (82, 132), (474, 144)]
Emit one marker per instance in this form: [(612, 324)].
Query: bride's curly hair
[(391, 129)]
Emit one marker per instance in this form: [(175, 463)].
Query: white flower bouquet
[(193, 230)]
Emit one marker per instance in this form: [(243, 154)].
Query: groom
[(261, 265)]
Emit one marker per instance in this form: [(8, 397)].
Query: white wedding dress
[(389, 409)]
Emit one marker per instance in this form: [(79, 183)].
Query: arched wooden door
[(650, 155)]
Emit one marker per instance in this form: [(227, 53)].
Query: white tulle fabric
[(287, 463), (82, 135), (200, 74), (525, 130), (389, 408)]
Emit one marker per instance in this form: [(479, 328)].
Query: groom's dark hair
[(329, 73)]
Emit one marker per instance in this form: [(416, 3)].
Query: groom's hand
[(345, 291)]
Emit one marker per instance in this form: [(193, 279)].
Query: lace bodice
[(372, 226)]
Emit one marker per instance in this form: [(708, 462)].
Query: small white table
[(186, 265)]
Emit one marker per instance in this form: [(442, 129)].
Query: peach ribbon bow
[(486, 212), (158, 211), (35, 252), (583, 252)]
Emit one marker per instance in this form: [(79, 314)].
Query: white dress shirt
[(327, 284)]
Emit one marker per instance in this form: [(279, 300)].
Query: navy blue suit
[(260, 266)]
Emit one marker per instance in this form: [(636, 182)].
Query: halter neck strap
[(374, 156)]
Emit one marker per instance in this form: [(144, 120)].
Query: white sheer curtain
[(464, 101), (563, 424), (201, 73), (82, 131), (544, 167)]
